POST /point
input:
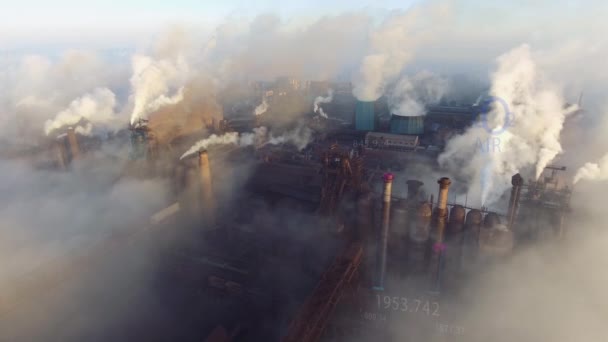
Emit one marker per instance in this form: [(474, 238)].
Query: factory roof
[(451, 110)]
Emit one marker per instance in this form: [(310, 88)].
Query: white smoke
[(593, 171), (412, 94), (95, 108), (320, 99), (526, 141), (156, 83), (224, 139), (36, 88), (392, 46), (261, 108), (299, 137), (231, 138)]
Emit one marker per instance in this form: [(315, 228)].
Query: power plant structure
[(312, 242)]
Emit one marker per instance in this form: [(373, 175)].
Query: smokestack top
[(202, 152), (388, 177), (414, 183), (517, 180), (444, 182)]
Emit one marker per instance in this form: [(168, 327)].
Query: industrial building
[(315, 239)]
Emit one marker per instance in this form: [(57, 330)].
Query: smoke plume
[(391, 48), (320, 99), (593, 171), (299, 137), (37, 88), (519, 134), (96, 108), (261, 108), (156, 83), (411, 94)]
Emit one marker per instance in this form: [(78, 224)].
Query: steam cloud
[(593, 171), (299, 137), (96, 108), (528, 141), (392, 47), (61, 91), (321, 99), (156, 83), (411, 94)]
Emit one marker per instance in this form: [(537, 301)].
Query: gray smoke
[(411, 95)]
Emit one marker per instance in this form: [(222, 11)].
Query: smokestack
[(472, 228), (74, 149), (517, 181), (419, 233), (439, 247), (413, 190), (383, 240), (207, 201), (442, 208)]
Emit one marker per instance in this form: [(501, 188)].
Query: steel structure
[(337, 175), (312, 319)]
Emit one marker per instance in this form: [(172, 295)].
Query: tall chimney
[(442, 207), (517, 181), (438, 248), (74, 149), (413, 188), (207, 201), (383, 240)]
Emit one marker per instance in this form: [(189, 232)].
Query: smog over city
[(303, 171)]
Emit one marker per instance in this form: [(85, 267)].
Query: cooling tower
[(365, 118)]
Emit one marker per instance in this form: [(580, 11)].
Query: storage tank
[(454, 241), (412, 125), (365, 119), (495, 242), (456, 221), (470, 247), (491, 220)]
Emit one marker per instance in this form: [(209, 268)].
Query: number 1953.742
[(413, 305)]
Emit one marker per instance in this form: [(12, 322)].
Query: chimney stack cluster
[(437, 241)]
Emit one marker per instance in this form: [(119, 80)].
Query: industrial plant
[(330, 234)]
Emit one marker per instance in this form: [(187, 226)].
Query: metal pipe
[(441, 215), (74, 148), (207, 204), (383, 240), (413, 189), (517, 181), (442, 208)]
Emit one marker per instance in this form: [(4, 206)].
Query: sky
[(38, 22), (60, 14)]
